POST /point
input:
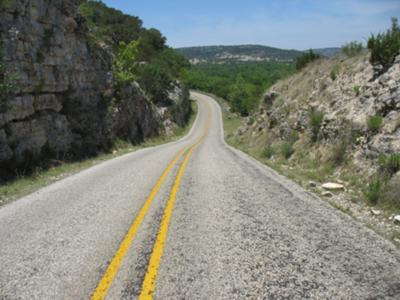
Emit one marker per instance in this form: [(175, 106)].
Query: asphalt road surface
[(193, 219)]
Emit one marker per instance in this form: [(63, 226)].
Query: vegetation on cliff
[(385, 47), (141, 54)]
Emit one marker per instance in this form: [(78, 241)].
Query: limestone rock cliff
[(346, 93), (63, 100)]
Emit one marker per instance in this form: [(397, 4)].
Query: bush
[(374, 123), (373, 191), (385, 47), (352, 48), (316, 118), (304, 59), (268, 152), (287, 150), (390, 164)]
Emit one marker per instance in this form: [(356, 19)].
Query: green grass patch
[(374, 123)]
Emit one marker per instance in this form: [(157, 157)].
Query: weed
[(373, 191), (390, 164), (374, 123), (268, 152), (287, 149), (316, 118)]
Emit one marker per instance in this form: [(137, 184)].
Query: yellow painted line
[(105, 283), (149, 282)]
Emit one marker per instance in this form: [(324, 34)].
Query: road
[(207, 222)]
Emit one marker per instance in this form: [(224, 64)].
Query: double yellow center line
[(149, 282)]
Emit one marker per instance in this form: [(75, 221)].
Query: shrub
[(352, 49), (373, 191), (316, 118), (287, 150), (390, 164), (374, 123), (304, 59), (268, 152), (385, 47)]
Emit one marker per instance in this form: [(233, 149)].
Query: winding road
[(192, 219)]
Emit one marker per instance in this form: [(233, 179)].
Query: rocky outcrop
[(346, 92), (63, 103)]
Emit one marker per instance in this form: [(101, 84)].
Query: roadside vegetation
[(241, 84), (385, 47), (25, 184)]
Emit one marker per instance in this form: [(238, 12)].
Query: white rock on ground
[(327, 194), (331, 186)]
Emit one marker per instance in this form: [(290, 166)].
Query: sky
[(288, 24)]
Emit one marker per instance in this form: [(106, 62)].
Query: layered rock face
[(63, 98)]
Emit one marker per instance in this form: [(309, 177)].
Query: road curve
[(215, 223)]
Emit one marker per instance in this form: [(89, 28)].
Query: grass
[(287, 150), (390, 164), (25, 185), (373, 191), (374, 123), (268, 152), (316, 118)]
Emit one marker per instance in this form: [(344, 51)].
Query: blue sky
[(292, 24)]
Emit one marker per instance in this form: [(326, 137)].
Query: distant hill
[(245, 53), (328, 52), (236, 54)]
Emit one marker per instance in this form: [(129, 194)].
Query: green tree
[(385, 47), (305, 59), (125, 63)]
